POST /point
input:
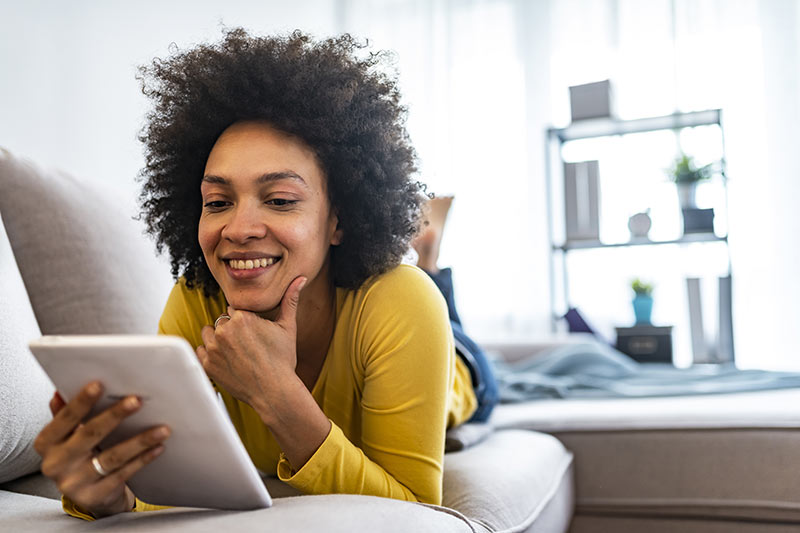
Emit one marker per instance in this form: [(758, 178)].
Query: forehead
[(247, 151)]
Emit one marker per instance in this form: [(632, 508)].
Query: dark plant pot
[(642, 308), (698, 220)]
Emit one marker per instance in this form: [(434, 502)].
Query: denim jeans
[(480, 370)]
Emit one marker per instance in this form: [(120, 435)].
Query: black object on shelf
[(646, 344), (698, 220)]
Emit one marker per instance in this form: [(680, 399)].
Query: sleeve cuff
[(72, 509), (307, 475)]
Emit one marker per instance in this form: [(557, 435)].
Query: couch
[(74, 260)]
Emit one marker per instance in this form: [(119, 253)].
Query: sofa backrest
[(24, 387), (86, 263), (72, 260)]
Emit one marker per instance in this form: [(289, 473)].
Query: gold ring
[(220, 317), (98, 467)]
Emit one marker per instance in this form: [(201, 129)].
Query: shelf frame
[(689, 238), (610, 127)]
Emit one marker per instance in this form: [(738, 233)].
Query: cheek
[(207, 237), (309, 236)]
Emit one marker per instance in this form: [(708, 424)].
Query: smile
[(250, 264)]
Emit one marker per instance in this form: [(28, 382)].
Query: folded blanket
[(594, 369)]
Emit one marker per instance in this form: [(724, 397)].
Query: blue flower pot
[(642, 308)]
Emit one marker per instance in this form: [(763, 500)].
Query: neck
[(316, 319)]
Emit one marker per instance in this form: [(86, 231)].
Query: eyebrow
[(269, 177)]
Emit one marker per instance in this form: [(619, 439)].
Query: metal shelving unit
[(557, 137)]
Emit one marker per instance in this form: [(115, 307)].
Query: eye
[(215, 205), (281, 202)]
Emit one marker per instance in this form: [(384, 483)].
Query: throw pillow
[(25, 390), (86, 263)]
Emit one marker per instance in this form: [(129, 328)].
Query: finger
[(95, 430), (208, 335), (57, 403), (202, 355), (288, 312), (126, 471), (70, 415), (116, 457)]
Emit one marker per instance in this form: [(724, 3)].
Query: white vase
[(686, 195)]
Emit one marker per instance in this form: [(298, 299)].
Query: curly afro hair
[(328, 93)]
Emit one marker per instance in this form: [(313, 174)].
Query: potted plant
[(686, 175), (642, 301)]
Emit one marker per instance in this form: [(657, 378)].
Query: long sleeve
[(391, 384), (402, 349)]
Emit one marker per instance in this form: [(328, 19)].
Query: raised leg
[(429, 239)]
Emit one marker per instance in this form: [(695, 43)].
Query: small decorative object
[(592, 100), (697, 220), (643, 301), (581, 198), (646, 344), (686, 175), (640, 224)]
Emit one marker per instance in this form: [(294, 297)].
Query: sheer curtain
[(483, 80), (477, 122)]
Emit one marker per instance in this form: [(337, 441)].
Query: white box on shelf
[(591, 100), (582, 200), (700, 352)]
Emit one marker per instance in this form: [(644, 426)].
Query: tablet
[(204, 464)]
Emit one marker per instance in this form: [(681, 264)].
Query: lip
[(252, 273)]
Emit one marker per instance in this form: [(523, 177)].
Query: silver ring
[(98, 467), (220, 317)]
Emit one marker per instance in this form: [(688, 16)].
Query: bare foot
[(427, 242)]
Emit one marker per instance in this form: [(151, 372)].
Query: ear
[(337, 237), (338, 234)]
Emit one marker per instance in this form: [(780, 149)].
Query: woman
[(278, 177)]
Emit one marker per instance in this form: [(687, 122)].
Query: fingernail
[(302, 284), (93, 389), (131, 402), (155, 452), (161, 433)]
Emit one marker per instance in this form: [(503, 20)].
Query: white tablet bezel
[(204, 463)]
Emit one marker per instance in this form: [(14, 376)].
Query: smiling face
[(266, 217)]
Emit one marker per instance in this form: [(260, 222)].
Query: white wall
[(68, 93)]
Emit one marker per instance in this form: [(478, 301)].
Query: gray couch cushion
[(512, 481), (734, 474), (340, 513), (719, 457), (634, 524), (86, 264), (25, 390)]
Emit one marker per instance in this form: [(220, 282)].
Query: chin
[(252, 303), (254, 306)]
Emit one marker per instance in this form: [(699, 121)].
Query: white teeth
[(248, 264)]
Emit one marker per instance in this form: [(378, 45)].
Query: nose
[(245, 224)]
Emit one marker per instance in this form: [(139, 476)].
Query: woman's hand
[(68, 446), (254, 360), (252, 357)]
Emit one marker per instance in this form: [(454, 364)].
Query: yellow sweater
[(391, 384)]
